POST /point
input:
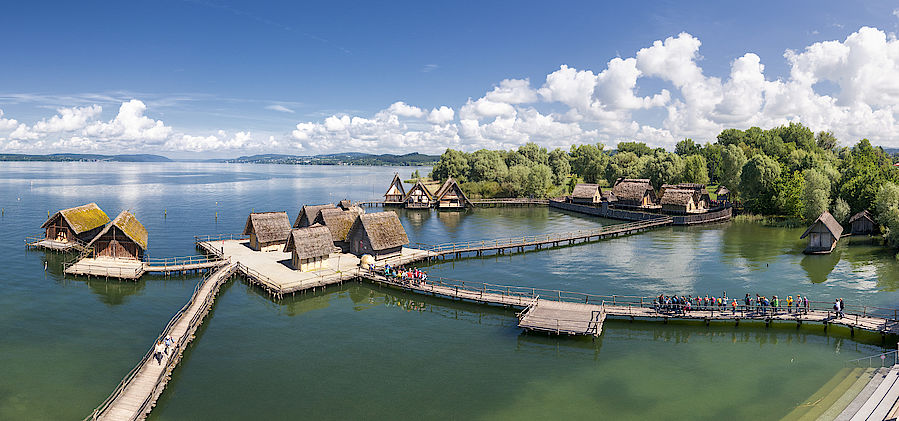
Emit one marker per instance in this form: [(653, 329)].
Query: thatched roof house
[(863, 223), (308, 214), (395, 193), (419, 196), (700, 194), (678, 200), (124, 238), (636, 192), (309, 247), (722, 194), (338, 223), (268, 231), (823, 234), (587, 194), (379, 234), (345, 204), (81, 223), (451, 196)]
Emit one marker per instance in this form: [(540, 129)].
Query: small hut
[(309, 247), (722, 194), (338, 222), (419, 197), (379, 234), (701, 196), (395, 193), (124, 238), (308, 214), (268, 231), (823, 234), (634, 192), (586, 194), (451, 196), (78, 224), (678, 201), (863, 223)]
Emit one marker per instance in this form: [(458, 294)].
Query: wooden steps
[(829, 395)]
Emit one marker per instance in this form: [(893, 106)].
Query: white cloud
[(279, 108), (402, 109), (7, 123), (441, 115)]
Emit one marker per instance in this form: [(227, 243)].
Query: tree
[(788, 196), (539, 180), (886, 210), (623, 164), (840, 210), (731, 137), (864, 170), (663, 168), (695, 170), (487, 166), (559, 162), (452, 164), (534, 153), (712, 155), (514, 158), (732, 162), (517, 179), (639, 148), (802, 137), (686, 147), (758, 182), (826, 140), (815, 194), (589, 162)]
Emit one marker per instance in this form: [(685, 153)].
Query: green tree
[(686, 147), (712, 155), (534, 153), (797, 134), (589, 162), (514, 158), (639, 148), (559, 161), (623, 164), (886, 210), (487, 166), (789, 194), (732, 162), (840, 210), (826, 140), (815, 194), (539, 180), (695, 170), (758, 184), (517, 179), (864, 170), (663, 168), (452, 163)]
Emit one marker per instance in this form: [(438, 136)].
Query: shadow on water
[(819, 266), (769, 243)]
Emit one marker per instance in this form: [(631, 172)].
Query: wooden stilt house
[(338, 223), (309, 247), (268, 231), (586, 194), (722, 194), (823, 234), (678, 201), (451, 196), (379, 234), (75, 225), (123, 238), (345, 204), (863, 223), (308, 213), (395, 193), (636, 192), (419, 197)]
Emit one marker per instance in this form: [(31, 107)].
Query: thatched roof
[(82, 218), (722, 190), (632, 189), (677, 197), (310, 242), (308, 214), (269, 227), (863, 214), (451, 186), (398, 184), (383, 228), (585, 191), (130, 226), (338, 222), (419, 186), (345, 204), (608, 196), (830, 222)]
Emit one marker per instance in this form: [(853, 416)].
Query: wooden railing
[(219, 237), (182, 261), (104, 270), (528, 240), (884, 359)]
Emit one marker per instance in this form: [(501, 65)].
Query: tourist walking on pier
[(842, 308), (158, 351), (168, 343), (789, 304)]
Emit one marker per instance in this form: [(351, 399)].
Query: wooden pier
[(132, 269)]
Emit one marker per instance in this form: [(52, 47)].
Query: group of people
[(760, 304), (838, 307), (162, 348), (405, 275)]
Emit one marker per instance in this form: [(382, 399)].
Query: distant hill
[(74, 157), (349, 158)]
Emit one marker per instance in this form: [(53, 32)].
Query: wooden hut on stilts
[(419, 197), (451, 197), (823, 234), (863, 223), (380, 235), (268, 231), (309, 247), (308, 214), (73, 227), (124, 238), (395, 193)]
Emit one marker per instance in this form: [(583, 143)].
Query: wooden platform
[(53, 245), (130, 269), (563, 317)]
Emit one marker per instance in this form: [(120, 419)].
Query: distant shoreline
[(352, 158)]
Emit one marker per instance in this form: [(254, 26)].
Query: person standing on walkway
[(159, 351), (842, 308), (168, 343)]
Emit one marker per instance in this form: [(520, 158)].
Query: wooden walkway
[(536, 242), (137, 393), (132, 270)]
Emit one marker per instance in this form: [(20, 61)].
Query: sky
[(197, 79)]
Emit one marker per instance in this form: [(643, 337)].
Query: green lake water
[(360, 351)]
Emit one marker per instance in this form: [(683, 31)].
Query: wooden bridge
[(536, 242), (131, 269)]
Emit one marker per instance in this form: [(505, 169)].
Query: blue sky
[(216, 78)]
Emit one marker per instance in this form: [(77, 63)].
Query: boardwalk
[(137, 393), (130, 269)]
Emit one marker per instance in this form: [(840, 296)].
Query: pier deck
[(130, 269)]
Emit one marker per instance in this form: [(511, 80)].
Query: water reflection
[(819, 266)]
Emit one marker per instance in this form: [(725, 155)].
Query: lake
[(361, 351)]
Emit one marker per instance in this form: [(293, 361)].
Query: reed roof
[(829, 222), (310, 242), (398, 183), (863, 214), (310, 212), (269, 227), (81, 218), (345, 204), (420, 186), (384, 230), (632, 189), (585, 191), (337, 222), (722, 190), (677, 197), (451, 185), (130, 226)]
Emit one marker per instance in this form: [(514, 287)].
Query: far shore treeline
[(787, 171)]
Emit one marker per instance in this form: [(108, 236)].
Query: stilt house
[(451, 196), (379, 234), (395, 193), (308, 214), (586, 194), (268, 231), (678, 201), (345, 204), (419, 197), (124, 238), (338, 223), (309, 247), (823, 234), (722, 194), (863, 223), (634, 192), (78, 224), (701, 196)]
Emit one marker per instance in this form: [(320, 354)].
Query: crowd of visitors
[(412, 276), (680, 304)]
